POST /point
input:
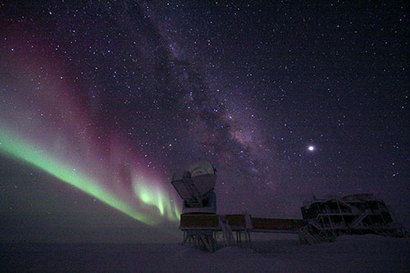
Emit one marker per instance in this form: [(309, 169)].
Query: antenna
[(196, 188)]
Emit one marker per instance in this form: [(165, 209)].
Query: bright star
[(311, 148)]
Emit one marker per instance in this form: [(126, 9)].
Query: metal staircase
[(311, 233), (359, 219)]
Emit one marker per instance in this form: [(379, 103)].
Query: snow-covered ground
[(367, 253)]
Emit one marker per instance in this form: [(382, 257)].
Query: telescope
[(196, 188)]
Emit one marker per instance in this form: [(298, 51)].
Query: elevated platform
[(277, 225), (203, 230), (239, 222)]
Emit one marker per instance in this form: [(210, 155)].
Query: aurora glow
[(13, 146), (63, 146), (115, 97)]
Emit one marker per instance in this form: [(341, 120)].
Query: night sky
[(102, 101)]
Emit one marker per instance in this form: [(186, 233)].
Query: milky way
[(114, 97)]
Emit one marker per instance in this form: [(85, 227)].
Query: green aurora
[(16, 147)]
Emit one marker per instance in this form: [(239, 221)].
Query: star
[(112, 110)]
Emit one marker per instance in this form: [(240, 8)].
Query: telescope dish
[(201, 168), (198, 180), (196, 188)]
